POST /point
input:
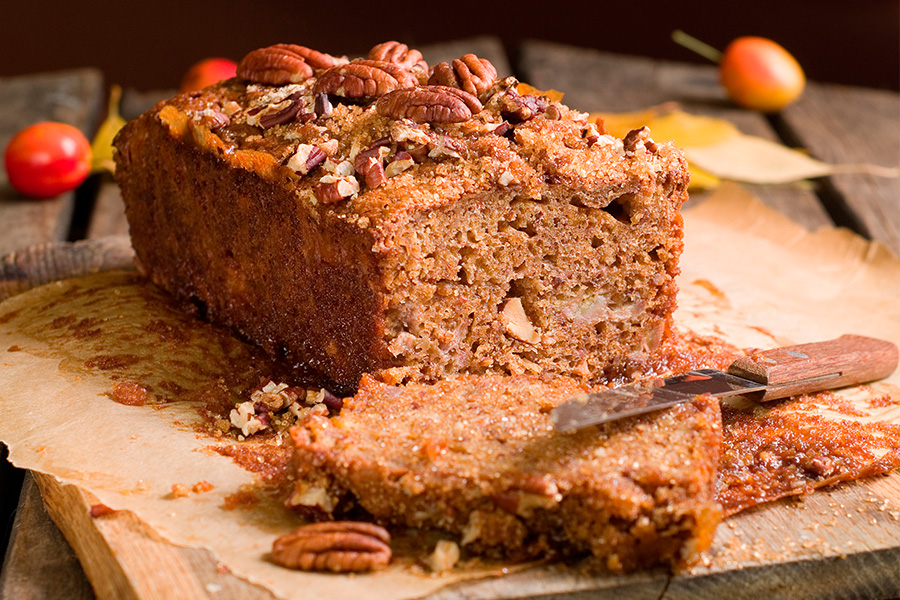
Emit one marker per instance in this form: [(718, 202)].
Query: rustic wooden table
[(834, 123)]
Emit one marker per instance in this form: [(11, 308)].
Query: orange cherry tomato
[(761, 75), (47, 159)]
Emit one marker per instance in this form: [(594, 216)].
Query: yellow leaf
[(101, 146), (529, 90), (690, 130), (755, 160), (619, 124), (667, 125), (701, 180)]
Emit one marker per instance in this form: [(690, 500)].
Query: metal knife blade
[(763, 376)]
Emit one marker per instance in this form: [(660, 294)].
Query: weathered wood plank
[(123, 558), (108, 218), (73, 97), (41, 564), (843, 125), (599, 81)]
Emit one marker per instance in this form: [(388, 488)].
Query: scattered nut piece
[(284, 115), (507, 178), (372, 171), (517, 322), (636, 139), (401, 162), (338, 546), (517, 108), (444, 557), (244, 417), (334, 188), (323, 105), (306, 158)]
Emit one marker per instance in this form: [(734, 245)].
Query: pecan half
[(470, 73), (363, 78), (318, 60), (399, 54), (274, 65), (338, 546), (429, 104)]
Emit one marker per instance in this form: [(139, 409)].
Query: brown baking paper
[(749, 276)]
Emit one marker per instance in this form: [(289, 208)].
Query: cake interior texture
[(497, 477), (352, 234)]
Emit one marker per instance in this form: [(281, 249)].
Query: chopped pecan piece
[(517, 108), (637, 139), (323, 105), (372, 171), (470, 73), (213, 118), (275, 65), (306, 158), (364, 79), (368, 163), (401, 161), (285, 115), (429, 104), (338, 546), (334, 188)]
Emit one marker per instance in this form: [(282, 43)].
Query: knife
[(761, 376)]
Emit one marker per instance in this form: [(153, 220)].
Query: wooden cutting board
[(836, 543)]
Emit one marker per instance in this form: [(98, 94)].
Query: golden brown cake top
[(386, 135)]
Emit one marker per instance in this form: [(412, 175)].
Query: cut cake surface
[(477, 456)]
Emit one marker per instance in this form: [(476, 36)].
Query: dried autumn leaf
[(529, 90), (701, 180), (619, 124), (101, 146), (755, 160), (668, 124)]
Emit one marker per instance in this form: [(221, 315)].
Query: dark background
[(148, 45)]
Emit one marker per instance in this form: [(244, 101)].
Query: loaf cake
[(496, 476), (384, 216)]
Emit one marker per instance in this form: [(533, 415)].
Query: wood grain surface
[(122, 558)]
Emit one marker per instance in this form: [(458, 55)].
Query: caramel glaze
[(791, 448)]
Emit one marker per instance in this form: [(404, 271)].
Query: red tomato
[(207, 72), (47, 159)]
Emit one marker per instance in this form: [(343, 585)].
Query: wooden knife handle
[(847, 360)]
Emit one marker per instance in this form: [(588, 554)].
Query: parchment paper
[(749, 276)]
